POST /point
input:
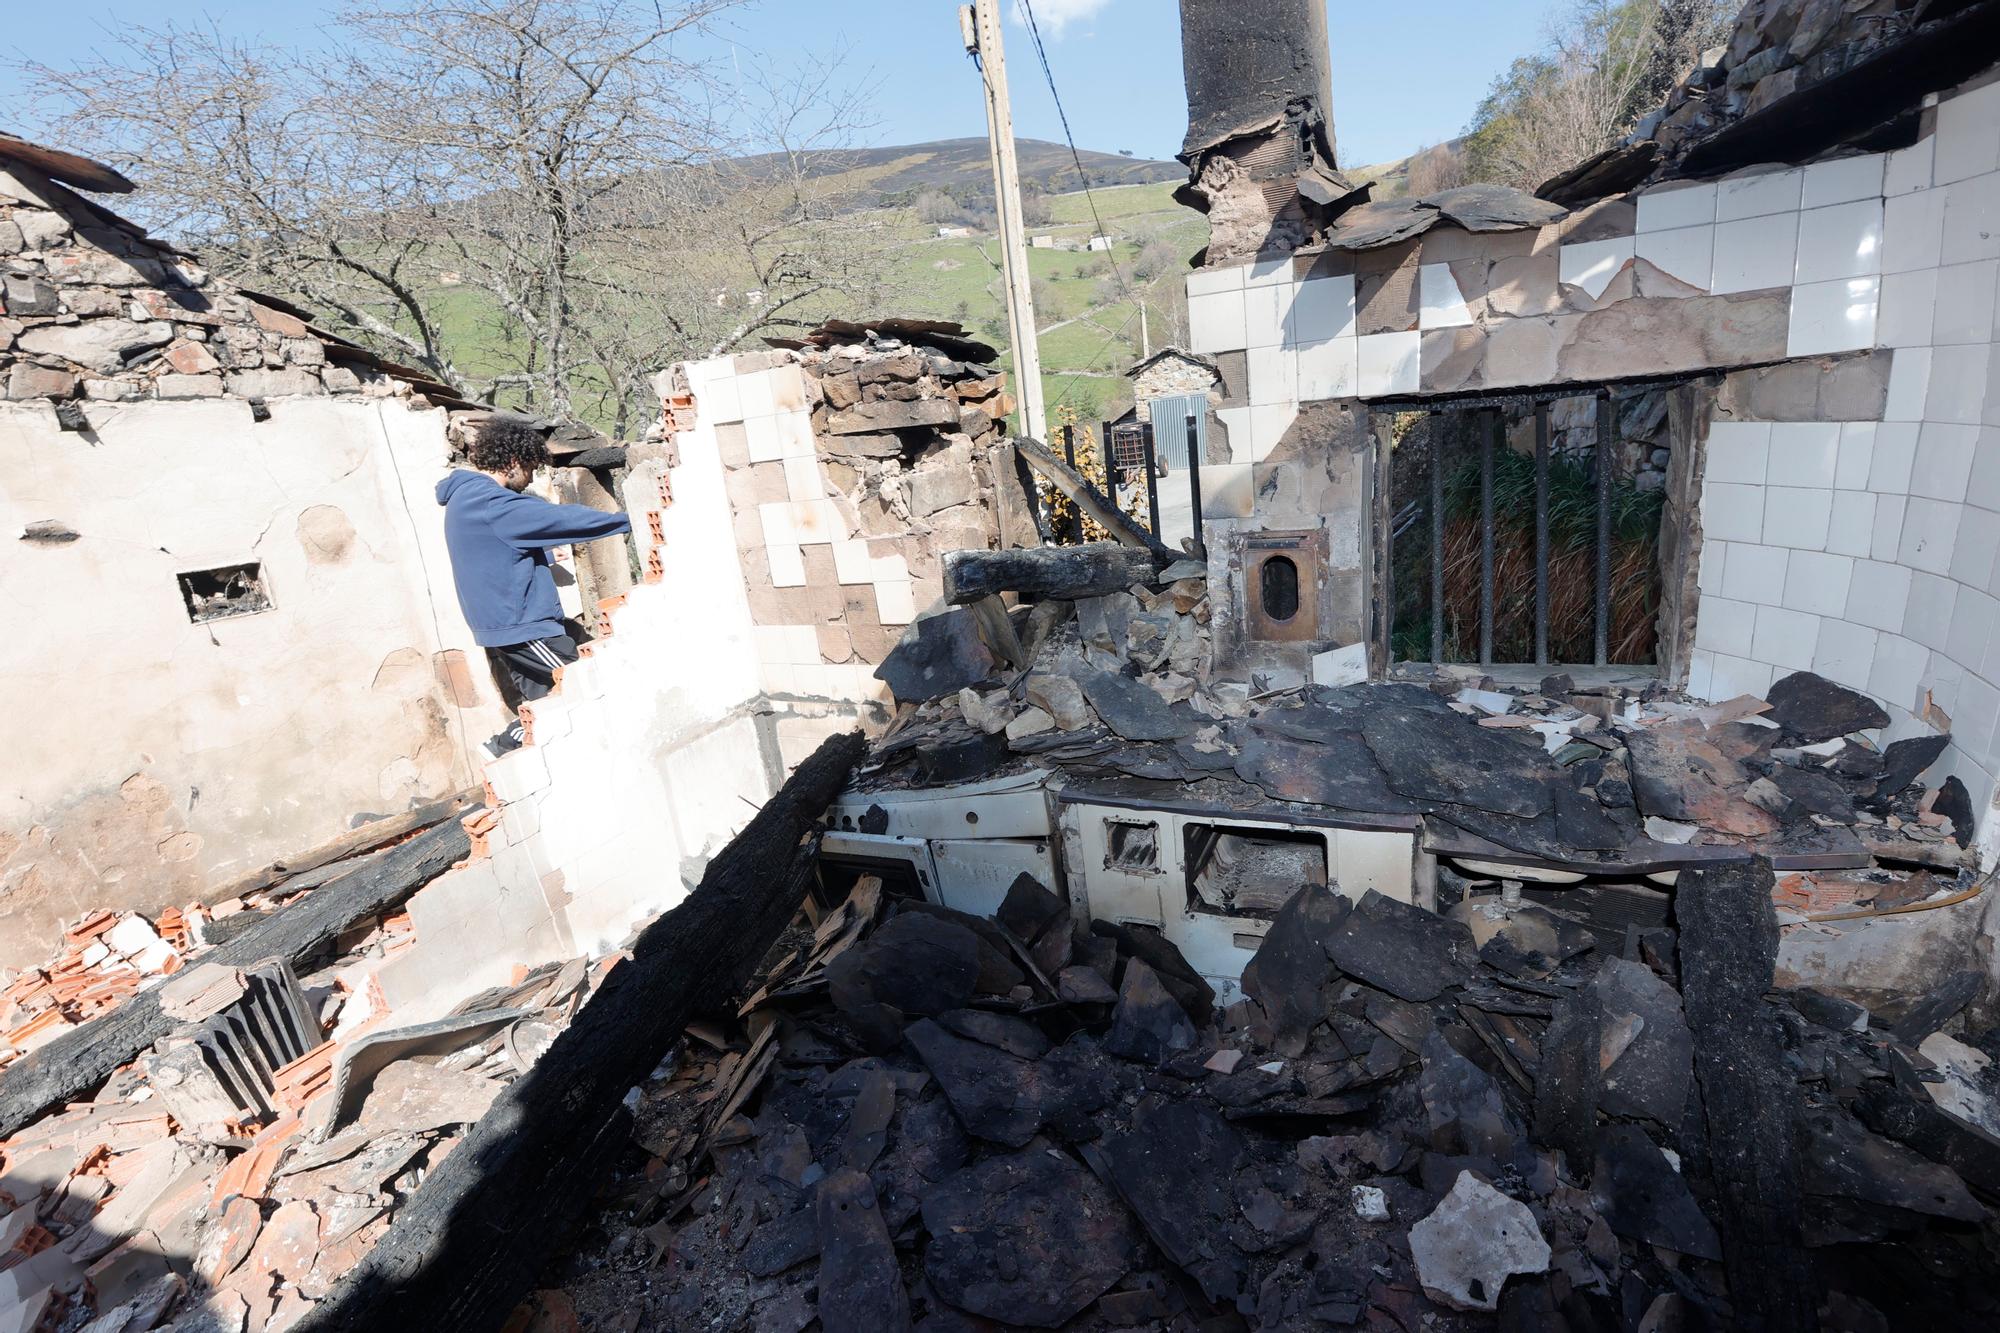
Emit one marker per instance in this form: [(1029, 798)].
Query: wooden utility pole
[(979, 24)]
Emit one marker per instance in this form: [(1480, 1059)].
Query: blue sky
[(1404, 75)]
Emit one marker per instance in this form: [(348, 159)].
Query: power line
[(1097, 223)]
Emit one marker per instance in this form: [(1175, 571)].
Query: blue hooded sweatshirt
[(499, 542)]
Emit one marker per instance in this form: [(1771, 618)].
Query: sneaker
[(503, 742)]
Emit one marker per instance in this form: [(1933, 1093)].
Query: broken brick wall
[(850, 471), (154, 759)]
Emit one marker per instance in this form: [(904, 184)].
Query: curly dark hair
[(499, 442)]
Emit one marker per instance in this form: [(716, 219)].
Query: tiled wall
[(1843, 533), (1865, 549)]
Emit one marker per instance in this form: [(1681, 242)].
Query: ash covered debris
[(1511, 1108)]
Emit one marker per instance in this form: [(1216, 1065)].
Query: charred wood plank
[(471, 1241), (1069, 572), (1096, 506), (1569, 1080), (375, 833), (1728, 952), (83, 1057)]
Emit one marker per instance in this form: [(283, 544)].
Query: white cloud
[(1055, 15)]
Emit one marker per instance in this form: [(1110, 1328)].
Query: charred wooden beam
[(1096, 506), (369, 836), (470, 1242), (1046, 571), (83, 1057), (1728, 953)]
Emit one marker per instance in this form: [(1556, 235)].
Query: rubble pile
[(1411, 1121), (104, 958), (129, 1210)]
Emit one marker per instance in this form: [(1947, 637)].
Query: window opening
[(228, 590), (1235, 870), (1527, 529)]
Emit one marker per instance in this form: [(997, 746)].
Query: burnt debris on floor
[(933, 1120)]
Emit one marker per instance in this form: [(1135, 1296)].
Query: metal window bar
[(1541, 534), (1437, 545), (1107, 450), (1195, 461), (1605, 451), (1149, 459), (1488, 438)]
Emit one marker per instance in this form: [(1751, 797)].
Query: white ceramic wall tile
[(1877, 591), (1971, 627), (1898, 670), (1203, 281), (1840, 241), (761, 435), (1754, 573), (817, 521), (1913, 231), (1785, 638), (1909, 169), (1943, 464), (1857, 451), (1909, 383), (1850, 528), (890, 568), (1215, 322), (1235, 420), (1592, 265), (895, 602), (1269, 271), (1965, 302), (1322, 309), (755, 390), (1672, 206), (851, 563), (1927, 616), (1888, 539), (1265, 310), (1974, 716), (1758, 195), (1389, 362), (1845, 653), (1738, 451), (1909, 309), (1966, 143), (1978, 543), (1797, 517), (1930, 528), (1984, 487), (1274, 375), (1268, 424), (1686, 253), (1733, 513), (802, 480), (1840, 179), (1969, 209), (795, 434), (788, 566), (1834, 316), (1725, 626), (1714, 558), (1804, 453), (776, 517), (1755, 253), (1329, 369), (1701, 670), (1733, 676), (1441, 304), (1817, 583), (1957, 389), (719, 399)]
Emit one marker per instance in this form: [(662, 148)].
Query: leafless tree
[(534, 199)]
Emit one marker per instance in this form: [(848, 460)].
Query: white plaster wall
[(1866, 550), (151, 757)]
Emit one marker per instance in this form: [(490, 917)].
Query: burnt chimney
[(1259, 147)]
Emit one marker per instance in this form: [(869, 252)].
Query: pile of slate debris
[(1501, 1110), (1411, 1120)]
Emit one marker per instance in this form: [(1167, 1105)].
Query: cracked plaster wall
[(152, 759)]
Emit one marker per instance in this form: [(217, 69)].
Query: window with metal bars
[(1526, 529)]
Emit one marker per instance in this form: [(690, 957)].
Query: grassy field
[(1086, 301)]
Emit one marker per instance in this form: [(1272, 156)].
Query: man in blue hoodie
[(499, 539)]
